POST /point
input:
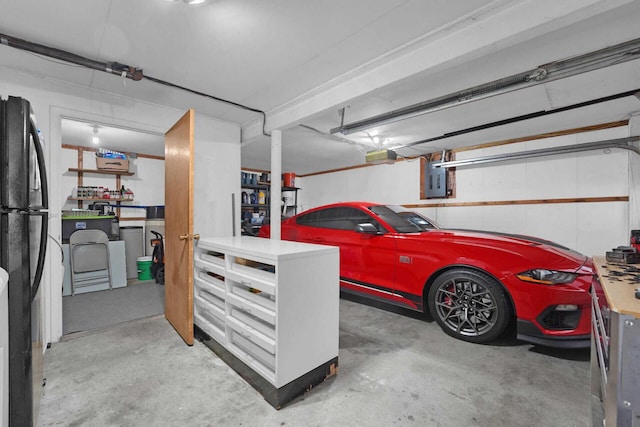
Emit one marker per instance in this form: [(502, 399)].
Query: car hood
[(555, 255)]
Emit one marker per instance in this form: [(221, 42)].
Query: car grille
[(552, 318)]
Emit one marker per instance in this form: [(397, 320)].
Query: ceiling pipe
[(602, 58), (116, 68), (108, 67), (621, 143)]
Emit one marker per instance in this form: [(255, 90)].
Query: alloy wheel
[(466, 307)]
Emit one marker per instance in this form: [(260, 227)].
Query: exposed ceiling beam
[(447, 47), (560, 69)]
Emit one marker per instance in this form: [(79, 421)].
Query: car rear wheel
[(469, 305)]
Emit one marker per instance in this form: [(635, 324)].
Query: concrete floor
[(395, 370)]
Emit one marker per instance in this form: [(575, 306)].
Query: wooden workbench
[(615, 359), (619, 282)]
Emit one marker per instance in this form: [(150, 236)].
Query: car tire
[(469, 305)]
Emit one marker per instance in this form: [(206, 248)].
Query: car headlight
[(547, 277)]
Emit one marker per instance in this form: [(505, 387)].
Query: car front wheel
[(469, 305)]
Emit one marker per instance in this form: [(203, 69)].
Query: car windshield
[(403, 220)]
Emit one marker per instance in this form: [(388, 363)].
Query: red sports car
[(473, 283)]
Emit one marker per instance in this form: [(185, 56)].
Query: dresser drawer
[(245, 291), (252, 281), (252, 334), (202, 306), (253, 355), (252, 318), (212, 257), (210, 263), (208, 290), (255, 309), (210, 318)]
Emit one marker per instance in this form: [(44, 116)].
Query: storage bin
[(144, 268), (112, 164)]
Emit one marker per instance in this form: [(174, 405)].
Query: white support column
[(634, 175), (276, 188)]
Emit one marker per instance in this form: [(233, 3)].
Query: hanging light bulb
[(95, 138)]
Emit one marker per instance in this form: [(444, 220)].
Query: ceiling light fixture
[(95, 138), (379, 157)]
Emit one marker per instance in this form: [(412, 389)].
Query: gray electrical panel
[(435, 180)]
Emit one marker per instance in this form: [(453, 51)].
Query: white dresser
[(271, 308)]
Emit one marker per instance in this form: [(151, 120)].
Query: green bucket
[(144, 268)]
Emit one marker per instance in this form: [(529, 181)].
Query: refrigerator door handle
[(42, 252), (44, 188), (43, 209)]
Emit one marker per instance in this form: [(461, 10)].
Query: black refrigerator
[(23, 244)]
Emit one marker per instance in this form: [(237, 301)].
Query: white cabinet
[(274, 306)]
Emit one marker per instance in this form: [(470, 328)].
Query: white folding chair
[(89, 253)]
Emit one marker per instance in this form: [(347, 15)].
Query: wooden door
[(178, 291)]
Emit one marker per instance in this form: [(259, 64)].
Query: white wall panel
[(603, 173), (461, 217), (470, 181), (601, 227), (555, 222), (380, 183), (510, 184), (506, 219), (551, 177), (591, 228)]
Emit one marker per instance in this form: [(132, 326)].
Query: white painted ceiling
[(302, 61)]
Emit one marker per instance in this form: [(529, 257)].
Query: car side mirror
[(366, 228)]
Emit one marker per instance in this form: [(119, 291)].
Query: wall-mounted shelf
[(287, 211), (254, 208), (81, 171), (258, 186), (98, 199), (102, 171)]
